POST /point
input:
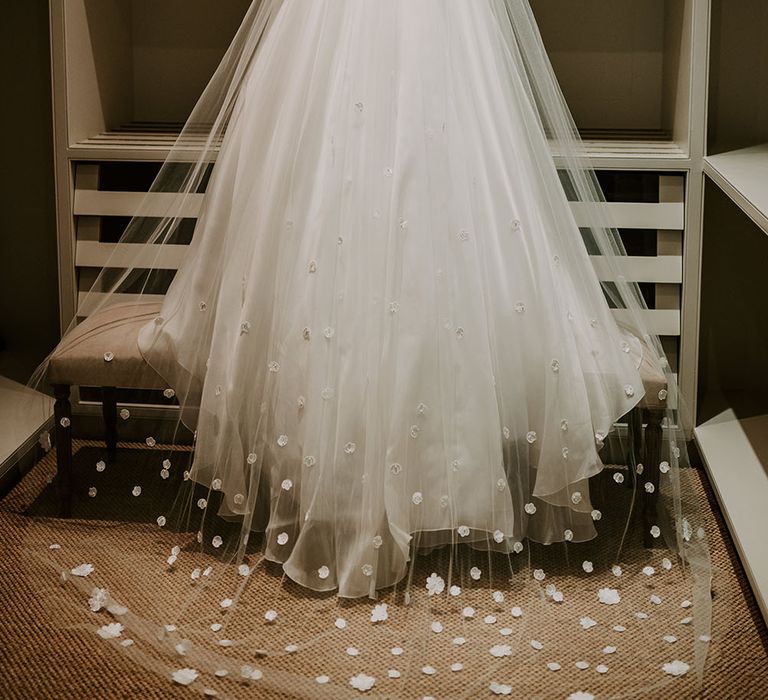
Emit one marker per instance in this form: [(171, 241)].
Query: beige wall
[(28, 286)]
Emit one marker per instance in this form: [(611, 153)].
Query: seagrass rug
[(49, 650)]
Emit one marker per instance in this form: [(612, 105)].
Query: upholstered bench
[(102, 352)]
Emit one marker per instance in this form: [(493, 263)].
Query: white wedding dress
[(388, 312), (402, 373)]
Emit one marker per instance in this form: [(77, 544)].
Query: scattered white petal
[(393, 673), (616, 570), (468, 612), (82, 570), (517, 611), (655, 599), (609, 650), (505, 631), (457, 667), (580, 695), (362, 682), (136, 491), (619, 628), (435, 584), (669, 638), (396, 651), (270, 615), (641, 615), (498, 597), (352, 651), (54, 546), (379, 613), (536, 644), (99, 599), (686, 604), (185, 676), (500, 650), (458, 641), (340, 623), (582, 665), (454, 591), (437, 627), (601, 668), (500, 689), (686, 621), (226, 603), (489, 619), (291, 648), (666, 564), (323, 572), (704, 638), (676, 668), (475, 573), (244, 570), (587, 566), (649, 570), (216, 626), (554, 666), (428, 670), (608, 596), (587, 622), (127, 643), (110, 631)]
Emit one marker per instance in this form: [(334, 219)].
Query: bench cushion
[(79, 360), (115, 329)]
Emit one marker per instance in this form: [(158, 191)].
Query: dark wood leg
[(635, 441), (109, 412), (651, 474), (62, 412)]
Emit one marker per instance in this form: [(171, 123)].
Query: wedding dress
[(389, 338)]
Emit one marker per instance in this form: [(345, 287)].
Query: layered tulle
[(389, 338)]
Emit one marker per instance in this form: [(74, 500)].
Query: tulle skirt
[(387, 323)]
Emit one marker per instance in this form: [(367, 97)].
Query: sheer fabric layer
[(391, 318)]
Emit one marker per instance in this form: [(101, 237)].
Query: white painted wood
[(739, 477), (667, 215), (23, 415), (642, 268), (89, 253), (743, 176), (160, 204), (94, 254)]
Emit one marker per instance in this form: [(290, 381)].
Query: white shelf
[(743, 176), (23, 415), (735, 453)]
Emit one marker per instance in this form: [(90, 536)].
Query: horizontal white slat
[(159, 204), (659, 321), (662, 215), (94, 254), (87, 302), (643, 268), (662, 268)]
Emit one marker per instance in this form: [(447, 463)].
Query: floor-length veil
[(397, 375)]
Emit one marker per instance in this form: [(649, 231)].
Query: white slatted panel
[(665, 271)]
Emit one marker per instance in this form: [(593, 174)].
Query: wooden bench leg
[(109, 412), (634, 447), (653, 434), (62, 412)]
